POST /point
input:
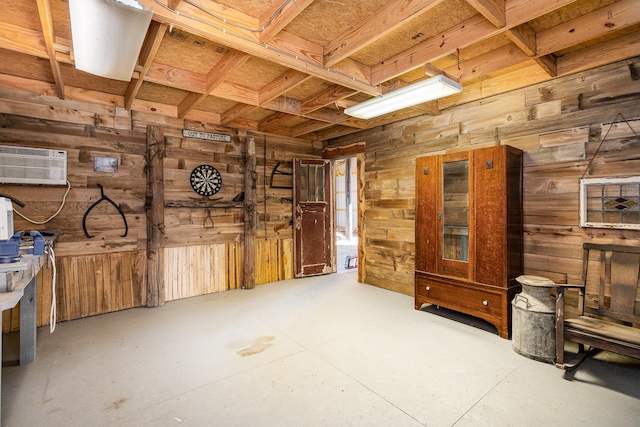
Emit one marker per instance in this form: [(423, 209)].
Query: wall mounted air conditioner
[(21, 165)]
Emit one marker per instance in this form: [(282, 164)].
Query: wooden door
[(313, 217)]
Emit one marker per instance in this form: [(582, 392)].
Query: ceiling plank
[(273, 120), (603, 21), (281, 84), (235, 112), (376, 26), (487, 63), (231, 61), (279, 50), (326, 115), (524, 37), (548, 63), (613, 50), (147, 53), (459, 36), (325, 97), (23, 40), (284, 105), (176, 78), (279, 15), (492, 10), (308, 127)]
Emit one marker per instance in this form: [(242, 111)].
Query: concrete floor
[(321, 351)]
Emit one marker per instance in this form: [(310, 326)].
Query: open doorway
[(346, 214)]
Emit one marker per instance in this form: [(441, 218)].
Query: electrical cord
[(64, 199), (53, 313)]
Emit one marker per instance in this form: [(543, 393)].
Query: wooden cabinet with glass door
[(469, 232)]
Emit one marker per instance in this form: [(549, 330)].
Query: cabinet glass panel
[(455, 210)]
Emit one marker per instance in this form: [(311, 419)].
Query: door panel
[(313, 214)]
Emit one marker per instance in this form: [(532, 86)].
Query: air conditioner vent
[(22, 165)]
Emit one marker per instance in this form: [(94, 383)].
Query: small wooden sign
[(188, 133)]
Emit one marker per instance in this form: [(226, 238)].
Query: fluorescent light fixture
[(408, 96), (108, 35)]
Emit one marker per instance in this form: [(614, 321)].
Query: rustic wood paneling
[(559, 125), (105, 273)]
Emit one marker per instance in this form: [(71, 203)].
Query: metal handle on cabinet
[(428, 288), (485, 302)]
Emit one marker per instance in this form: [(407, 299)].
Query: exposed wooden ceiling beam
[(147, 53), (283, 17), (46, 20), (231, 61), (613, 50), (493, 10), (235, 112), (376, 26), (273, 120), (487, 63), (281, 84), (284, 49), (326, 97), (23, 40), (464, 34), (284, 105), (524, 37), (308, 127), (603, 21)]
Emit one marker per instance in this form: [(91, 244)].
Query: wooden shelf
[(202, 204)]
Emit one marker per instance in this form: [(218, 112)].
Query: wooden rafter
[(283, 49), (462, 35), (235, 112), (284, 17), (46, 20), (595, 24), (231, 61), (492, 10), (324, 98), (281, 84), (489, 62), (613, 50), (149, 49), (394, 14)]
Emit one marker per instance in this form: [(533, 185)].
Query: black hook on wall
[(103, 197)]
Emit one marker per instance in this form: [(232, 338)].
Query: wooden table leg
[(28, 323)]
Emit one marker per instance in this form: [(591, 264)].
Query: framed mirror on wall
[(610, 203)]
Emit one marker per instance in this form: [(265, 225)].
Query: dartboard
[(206, 180)]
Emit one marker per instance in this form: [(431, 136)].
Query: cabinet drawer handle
[(485, 302), (428, 288)]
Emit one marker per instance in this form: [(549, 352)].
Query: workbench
[(19, 281)]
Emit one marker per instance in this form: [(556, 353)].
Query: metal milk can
[(533, 319)]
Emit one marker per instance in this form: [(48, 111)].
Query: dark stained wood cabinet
[(469, 232)]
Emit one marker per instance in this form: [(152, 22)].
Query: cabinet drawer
[(458, 297)]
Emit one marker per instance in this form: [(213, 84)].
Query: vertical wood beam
[(46, 20), (250, 205), (154, 204), (360, 160), (347, 199)]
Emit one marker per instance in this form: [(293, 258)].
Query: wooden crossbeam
[(280, 19), (147, 53), (46, 20), (376, 26)]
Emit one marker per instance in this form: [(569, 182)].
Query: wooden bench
[(608, 304)]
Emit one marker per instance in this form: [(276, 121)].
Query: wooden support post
[(154, 204), (250, 202), (28, 322), (347, 196)]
